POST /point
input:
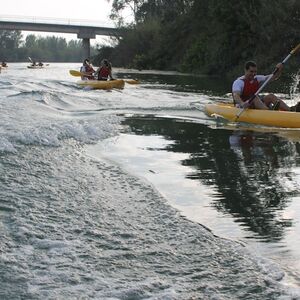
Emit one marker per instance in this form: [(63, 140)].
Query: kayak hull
[(286, 119), (35, 67), (132, 81), (102, 85)]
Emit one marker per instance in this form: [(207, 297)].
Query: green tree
[(9, 41), (207, 36), (52, 49)]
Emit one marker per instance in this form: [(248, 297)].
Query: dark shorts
[(252, 104), (262, 98)]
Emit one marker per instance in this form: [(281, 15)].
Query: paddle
[(296, 49), (79, 74)]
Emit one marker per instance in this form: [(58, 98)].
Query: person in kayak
[(88, 69), (244, 87), (104, 72)]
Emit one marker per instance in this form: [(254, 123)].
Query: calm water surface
[(242, 184), (238, 180), (136, 194)]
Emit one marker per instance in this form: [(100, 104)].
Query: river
[(137, 194)]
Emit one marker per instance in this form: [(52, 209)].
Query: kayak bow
[(286, 119)]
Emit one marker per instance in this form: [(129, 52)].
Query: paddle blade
[(75, 73)]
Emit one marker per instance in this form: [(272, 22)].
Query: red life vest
[(103, 73), (250, 88), (89, 69)]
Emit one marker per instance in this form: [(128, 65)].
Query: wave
[(53, 135)]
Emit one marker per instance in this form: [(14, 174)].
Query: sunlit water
[(136, 194)]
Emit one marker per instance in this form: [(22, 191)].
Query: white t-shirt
[(238, 84), (83, 70)]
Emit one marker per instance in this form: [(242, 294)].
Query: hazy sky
[(90, 10), (66, 9)]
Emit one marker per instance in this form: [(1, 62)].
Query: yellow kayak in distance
[(274, 118), (102, 85)]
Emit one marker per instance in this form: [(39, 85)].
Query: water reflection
[(252, 171)]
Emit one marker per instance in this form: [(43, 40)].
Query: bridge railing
[(59, 21)]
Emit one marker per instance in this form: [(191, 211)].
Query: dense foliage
[(206, 36), (50, 49), (203, 36)]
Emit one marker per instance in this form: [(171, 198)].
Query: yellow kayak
[(103, 85), (273, 118)]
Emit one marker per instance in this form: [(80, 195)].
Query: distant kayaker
[(247, 85), (104, 72), (4, 64), (88, 70)]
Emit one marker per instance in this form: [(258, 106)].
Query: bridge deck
[(82, 31)]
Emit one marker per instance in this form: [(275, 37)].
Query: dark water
[(253, 177), (212, 85), (251, 174)]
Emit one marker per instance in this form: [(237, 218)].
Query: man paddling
[(247, 85)]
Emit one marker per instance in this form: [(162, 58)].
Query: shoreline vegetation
[(201, 37)]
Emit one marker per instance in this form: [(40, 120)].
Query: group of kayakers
[(245, 87), (37, 64), (103, 72), (33, 64)]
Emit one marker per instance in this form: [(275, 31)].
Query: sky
[(90, 11)]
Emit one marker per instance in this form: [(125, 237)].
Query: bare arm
[(237, 98)]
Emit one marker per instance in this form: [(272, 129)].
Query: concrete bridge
[(84, 32)]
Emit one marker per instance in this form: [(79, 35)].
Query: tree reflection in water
[(253, 171)]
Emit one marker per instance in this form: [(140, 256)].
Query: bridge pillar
[(86, 34), (86, 47)]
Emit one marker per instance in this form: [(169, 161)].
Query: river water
[(137, 194)]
